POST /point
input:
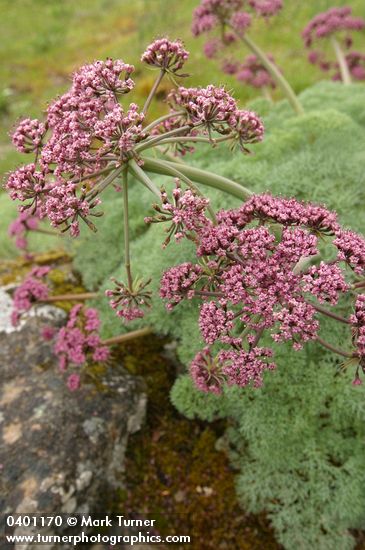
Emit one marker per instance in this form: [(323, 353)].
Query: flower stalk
[(153, 91), (341, 59), (274, 71), (127, 259)]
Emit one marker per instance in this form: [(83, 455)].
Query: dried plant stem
[(334, 349), (127, 337), (70, 297), (46, 232), (325, 311)]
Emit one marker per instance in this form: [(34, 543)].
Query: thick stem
[(334, 349), (275, 73), (143, 178), (104, 184), (183, 139), (126, 337), (198, 176), (344, 69), (70, 297), (360, 284), (209, 294), (258, 336), (127, 261), (156, 140), (153, 91)]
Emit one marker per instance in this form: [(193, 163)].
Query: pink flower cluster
[(86, 127), (332, 21), (103, 78), (129, 302), (212, 13), (185, 214), (166, 54), (20, 227), (220, 13), (32, 289), (355, 62), (358, 324), (251, 275), (253, 73), (215, 110), (266, 8), (351, 249), (28, 136), (88, 136), (79, 341)]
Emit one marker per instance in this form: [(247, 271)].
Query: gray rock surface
[(60, 452)]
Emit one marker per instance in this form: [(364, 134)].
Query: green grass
[(43, 41)]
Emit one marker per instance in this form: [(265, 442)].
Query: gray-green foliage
[(299, 442)]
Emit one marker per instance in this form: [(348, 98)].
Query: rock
[(60, 452)]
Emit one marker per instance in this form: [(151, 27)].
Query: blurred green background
[(43, 41)]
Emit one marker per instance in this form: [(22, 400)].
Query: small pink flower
[(28, 136), (48, 333), (331, 21), (166, 54), (130, 303), (73, 382)]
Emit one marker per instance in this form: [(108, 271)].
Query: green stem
[(143, 178), (155, 140), (153, 91), (127, 261), (199, 176), (344, 69), (194, 138), (103, 184), (274, 71)]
